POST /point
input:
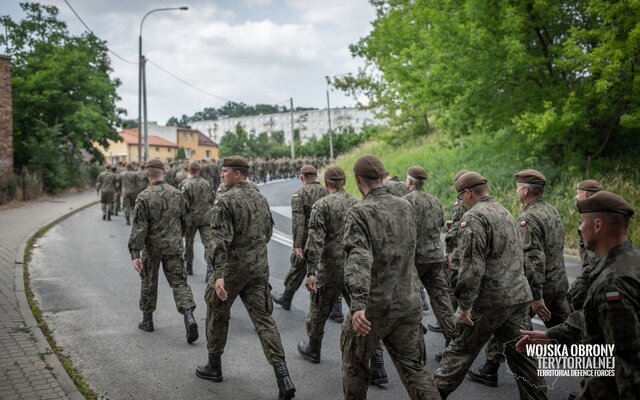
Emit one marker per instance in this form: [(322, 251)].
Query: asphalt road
[(88, 291)]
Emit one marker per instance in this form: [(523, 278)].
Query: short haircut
[(243, 171), (338, 184), (614, 220), (480, 189), (419, 183), (155, 172), (534, 189)]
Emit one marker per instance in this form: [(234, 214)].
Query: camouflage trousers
[(205, 237), (255, 294), (297, 273), (116, 202), (128, 203), (452, 276), (322, 302), (173, 268), (106, 201), (404, 339), (560, 310), (505, 323), (434, 279)]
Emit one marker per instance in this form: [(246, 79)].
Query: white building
[(311, 123)]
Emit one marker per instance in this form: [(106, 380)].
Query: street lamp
[(142, 87)]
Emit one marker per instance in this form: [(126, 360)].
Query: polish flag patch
[(523, 223), (612, 296), (463, 224)]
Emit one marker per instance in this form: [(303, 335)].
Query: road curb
[(42, 345)]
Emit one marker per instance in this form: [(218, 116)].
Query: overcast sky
[(253, 51)]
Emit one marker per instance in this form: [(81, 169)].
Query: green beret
[(469, 180), (334, 173), (308, 170), (235, 162), (531, 176), (459, 174), (368, 166), (155, 163), (590, 185), (417, 172), (604, 201), (194, 166)]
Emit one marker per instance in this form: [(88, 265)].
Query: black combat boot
[(190, 326), (487, 375), (283, 299), (109, 216), (378, 374), (212, 370), (425, 303), (311, 350), (128, 220), (104, 217), (447, 340), (147, 322), (286, 390), (209, 272), (336, 314), (435, 327), (189, 268)]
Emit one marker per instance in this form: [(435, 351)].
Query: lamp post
[(329, 116), (142, 87)]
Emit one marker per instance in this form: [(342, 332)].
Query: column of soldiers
[(378, 253)]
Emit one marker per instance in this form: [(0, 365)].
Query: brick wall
[(6, 117)]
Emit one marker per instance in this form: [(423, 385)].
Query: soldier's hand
[(465, 317), (219, 287), (298, 253), (311, 284), (531, 337), (137, 265), (541, 310), (360, 324)]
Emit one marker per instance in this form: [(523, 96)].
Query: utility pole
[(144, 109), (293, 136), (140, 99), (329, 116)]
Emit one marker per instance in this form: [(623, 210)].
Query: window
[(207, 154), (184, 135), (157, 148)]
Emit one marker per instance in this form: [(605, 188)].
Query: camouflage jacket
[(451, 238), (241, 227), (181, 175), (324, 250), (429, 219), (587, 257), (198, 196), (142, 182), (106, 182), (380, 244), (578, 291), (542, 235), (301, 203), (611, 316), (129, 181), (159, 221), (491, 258), (396, 188)]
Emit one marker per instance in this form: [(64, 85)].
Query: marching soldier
[(106, 187), (129, 180)]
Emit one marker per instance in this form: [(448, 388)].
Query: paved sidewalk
[(28, 369)]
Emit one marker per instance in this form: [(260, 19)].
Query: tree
[(64, 99)]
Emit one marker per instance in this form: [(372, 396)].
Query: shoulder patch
[(215, 203), (610, 297), (296, 194), (463, 224), (523, 222)]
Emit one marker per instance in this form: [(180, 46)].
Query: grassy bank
[(498, 158)]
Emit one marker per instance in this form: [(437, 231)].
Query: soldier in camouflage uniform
[(301, 204), (429, 255), (182, 174), (199, 197), (241, 227), (394, 186), (492, 291), (542, 234), (381, 278), (117, 201), (143, 181), (578, 291), (129, 179), (324, 254), (159, 223), (106, 187), (611, 309)]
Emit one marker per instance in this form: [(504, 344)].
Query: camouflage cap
[(194, 166), (417, 172), (590, 185), (129, 165), (604, 201), (308, 170), (531, 176), (368, 166), (235, 162), (459, 174), (469, 180), (155, 163), (334, 173)]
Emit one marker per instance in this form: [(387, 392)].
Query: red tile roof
[(130, 136), (203, 140)]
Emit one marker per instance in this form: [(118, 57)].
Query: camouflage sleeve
[(315, 240), (534, 258), (188, 198), (570, 331), (450, 239), (118, 183), (221, 236), (358, 260), (270, 224), (578, 292), (99, 182), (297, 220), (184, 217), (139, 229), (618, 317), (472, 240)]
